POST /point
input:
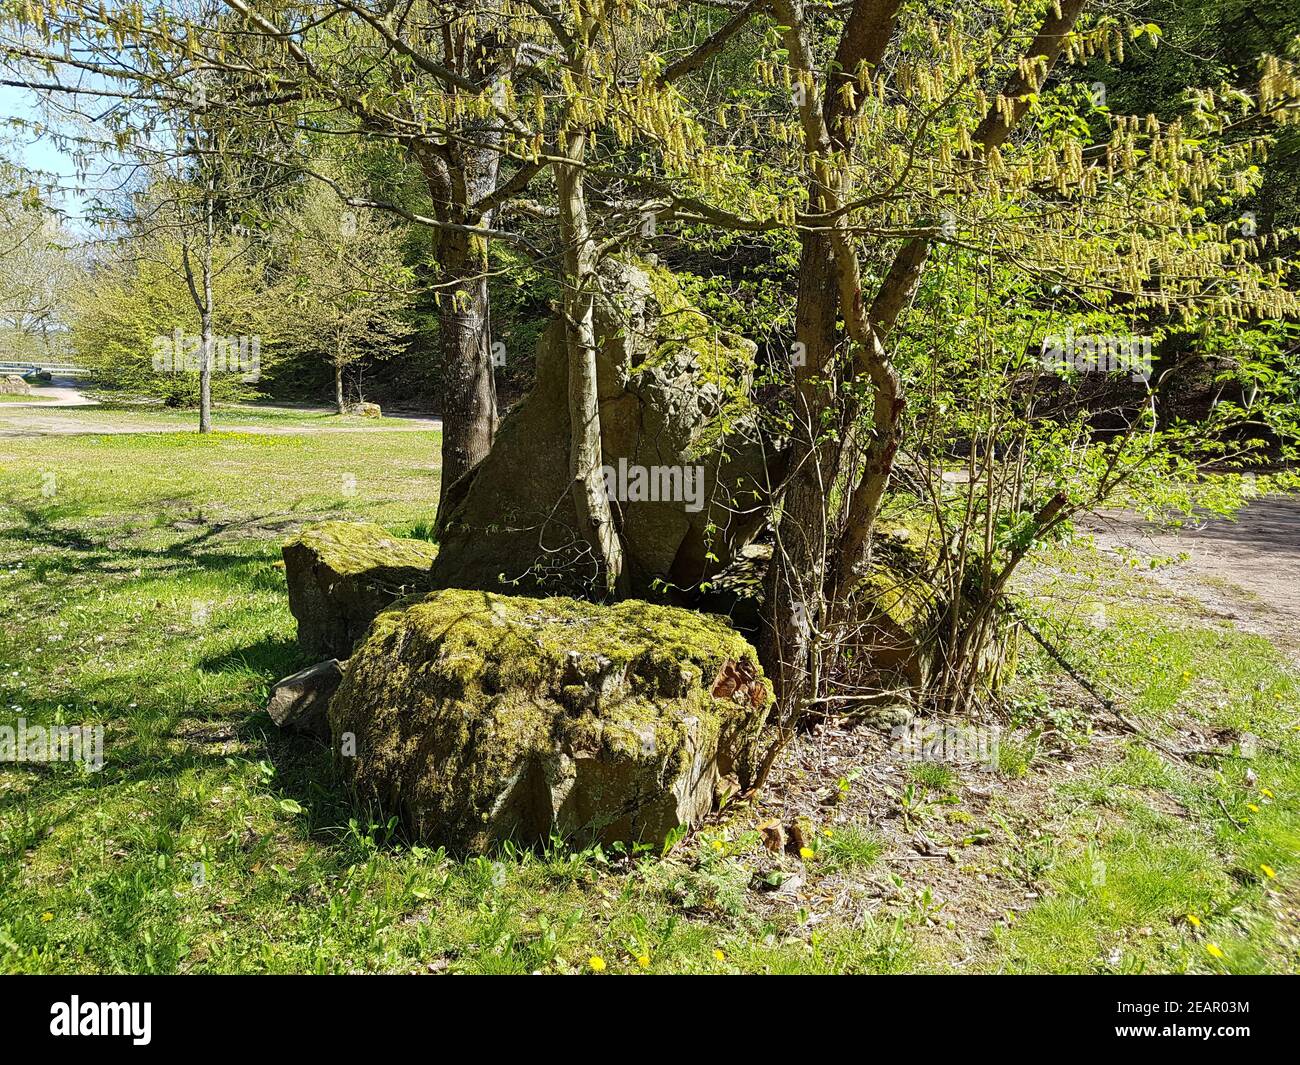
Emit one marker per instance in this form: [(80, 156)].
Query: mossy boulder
[(341, 574), (904, 611), (899, 604), (673, 391), (479, 717)]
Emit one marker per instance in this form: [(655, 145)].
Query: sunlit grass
[(140, 588)]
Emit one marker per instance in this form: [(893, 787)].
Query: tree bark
[(586, 459), (796, 576), (205, 338), (338, 388), (457, 177)]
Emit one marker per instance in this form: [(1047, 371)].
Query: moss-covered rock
[(479, 717), (341, 574), (899, 603), (673, 391), (904, 610)]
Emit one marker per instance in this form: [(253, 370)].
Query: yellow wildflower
[(1269, 871), (597, 963)]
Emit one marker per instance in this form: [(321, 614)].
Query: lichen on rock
[(341, 574), (673, 391), (479, 717)]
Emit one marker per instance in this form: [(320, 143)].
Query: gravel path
[(1246, 571), (61, 392), (44, 418)]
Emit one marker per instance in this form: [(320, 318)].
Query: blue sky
[(39, 153)]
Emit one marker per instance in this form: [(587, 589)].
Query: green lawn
[(140, 588)]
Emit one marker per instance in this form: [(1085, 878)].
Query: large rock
[(899, 607), (341, 574), (673, 391), (13, 385), (479, 717)]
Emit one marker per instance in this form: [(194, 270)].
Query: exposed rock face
[(675, 420), (299, 701), (341, 574), (13, 385), (480, 717)]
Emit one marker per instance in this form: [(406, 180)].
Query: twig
[(1238, 824), (1060, 659), (1087, 685)]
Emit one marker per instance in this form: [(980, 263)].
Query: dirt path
[(1245, 571), (61, 392), (32, 422), (45, 417)]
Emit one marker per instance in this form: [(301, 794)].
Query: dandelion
[(1214, 950), (719, 955), (807, 853), (597, 963), (47, 916), (643, 960), (1193, 920), (717, 844), (1266, 793), (1268, 870), (829, 833), (1252, 807)]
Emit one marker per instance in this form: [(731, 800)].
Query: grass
[(140, 588), (1177, 864), (33, 397)]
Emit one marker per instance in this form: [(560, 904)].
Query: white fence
[(25, 368)]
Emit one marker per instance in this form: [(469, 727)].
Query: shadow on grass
[(158, 731), (274, 658)]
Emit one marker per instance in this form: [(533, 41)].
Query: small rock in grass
[(299, 701)]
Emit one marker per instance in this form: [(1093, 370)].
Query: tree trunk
[(338, 388), (458, 176), (469, 396), (586, 460), (205, 347), (205, 374), (205, 311), (797, 574)]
